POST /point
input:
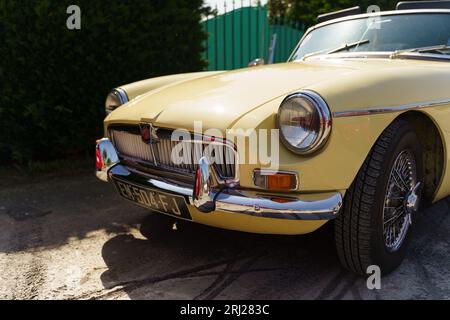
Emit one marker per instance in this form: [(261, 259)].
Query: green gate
[(242, 35)]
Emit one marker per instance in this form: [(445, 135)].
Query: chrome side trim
[(390, 109)]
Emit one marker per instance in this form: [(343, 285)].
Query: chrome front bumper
[(207, 195)]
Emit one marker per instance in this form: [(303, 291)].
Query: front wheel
[(375, 224)]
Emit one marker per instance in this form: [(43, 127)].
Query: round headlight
[(115, 99), (304, 121)]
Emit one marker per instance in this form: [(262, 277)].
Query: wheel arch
[(432, 141)]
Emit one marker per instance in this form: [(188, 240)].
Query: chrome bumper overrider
[(208, 195)]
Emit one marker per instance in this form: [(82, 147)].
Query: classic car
[(361, 115)]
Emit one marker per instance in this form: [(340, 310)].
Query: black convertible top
[(404, 5), (411, 5)]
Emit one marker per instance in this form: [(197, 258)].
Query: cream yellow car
[(355, 129)]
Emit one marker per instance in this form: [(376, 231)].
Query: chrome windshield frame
[(426, 56)]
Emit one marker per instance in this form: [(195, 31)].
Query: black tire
[(359, 227)]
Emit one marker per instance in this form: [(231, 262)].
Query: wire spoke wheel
[(397, 218), (375, 226)]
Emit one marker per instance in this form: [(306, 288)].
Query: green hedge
[(53, 81)]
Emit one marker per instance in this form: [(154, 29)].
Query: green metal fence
[(237, 37)]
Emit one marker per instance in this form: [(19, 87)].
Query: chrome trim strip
[(381, 55), (213, 197), (422, 56), (390, 109)]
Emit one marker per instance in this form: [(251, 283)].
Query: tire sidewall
[(405, 139)]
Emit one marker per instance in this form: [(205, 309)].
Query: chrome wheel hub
[(412, 200), (401, 201)]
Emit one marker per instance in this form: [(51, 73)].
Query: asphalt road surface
[(74, 238)]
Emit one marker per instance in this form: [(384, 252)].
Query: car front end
[(221, 191), (352, 129)]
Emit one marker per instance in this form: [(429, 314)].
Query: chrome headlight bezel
[(116, 98), (325, 122)]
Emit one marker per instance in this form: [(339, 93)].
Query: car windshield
[(385, 33)]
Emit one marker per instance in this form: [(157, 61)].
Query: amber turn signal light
[(275, 180)]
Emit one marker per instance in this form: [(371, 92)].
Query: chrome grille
[(129, 144)]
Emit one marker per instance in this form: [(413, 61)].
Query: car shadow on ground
[(198, 262), (45, 225)]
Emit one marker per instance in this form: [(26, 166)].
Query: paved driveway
[(73, 238)]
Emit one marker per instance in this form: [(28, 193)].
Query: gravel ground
[(74, 238)]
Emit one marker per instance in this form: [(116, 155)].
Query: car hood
[(220, 100), (223, 98)]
